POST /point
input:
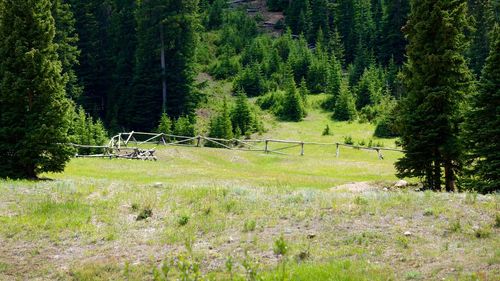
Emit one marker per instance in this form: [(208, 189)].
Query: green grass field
[(236, 215)]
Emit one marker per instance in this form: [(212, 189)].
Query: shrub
[(249, 226), (220, 125), (251, 81), (145, 213), (165, 125), (345, 109), (183, 220), (184, 127), (326, 131), (348, 140), (84, 130), (482, 232), (280, 246)]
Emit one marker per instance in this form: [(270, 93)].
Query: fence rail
[(123, 140)]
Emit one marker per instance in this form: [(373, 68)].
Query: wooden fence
[(123, 140)]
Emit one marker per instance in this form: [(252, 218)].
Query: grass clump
[(183, 220), (455, 226), (482, 232), (428, 212), (280, 246), (348, 140), (145, 213), (249, 225)]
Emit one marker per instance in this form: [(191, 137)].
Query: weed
[(280, 246), (403, 241), (482, 232), (183, 220), (229, 266), (348, 140), (249, 226), (358, 200), (326, 131), (413, 275), (3, 267), (134, 207), (207, 211), (455, 226), (497, 220), (145, 213), (428, 212), (251, 269), (362, 143)]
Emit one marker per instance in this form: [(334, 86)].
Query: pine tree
[(345, 106), (251, 81), (66, 39), (241, 116), (122, 50), (165, 125), (304, 91), (334, 83), (220, 125), (293, 106), (84, 130), (482, 11), (184, 126), (392, 41), (34, 117), (91, 22), (215, 16), (437, 79), (482, 130), (175, 22)]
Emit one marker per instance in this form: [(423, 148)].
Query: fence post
[(267, 147), (338, 150), (198, 142), (380, 156), (302, 149)]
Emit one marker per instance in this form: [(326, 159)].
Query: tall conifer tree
[(482, 130), (437, 80), (34, 117)]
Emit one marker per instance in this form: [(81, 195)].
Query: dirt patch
[(356, 187)]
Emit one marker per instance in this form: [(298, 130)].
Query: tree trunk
[(437, 175), (449, 176)]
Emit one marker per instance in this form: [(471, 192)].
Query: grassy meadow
[(202, 213)]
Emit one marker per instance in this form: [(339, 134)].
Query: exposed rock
[(401, 183), (407, 233)]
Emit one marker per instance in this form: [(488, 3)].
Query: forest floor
[(339, 218)]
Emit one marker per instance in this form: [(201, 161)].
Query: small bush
[(184, 127), (326, 131), (183, 220), (428, 212), (497, 220), (455, 226), (403, 241), (249, 226), (360, 201), (348, 140), (145, 213), (280, 246), (482, 232)]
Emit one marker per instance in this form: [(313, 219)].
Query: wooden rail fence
[(118, 146)]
